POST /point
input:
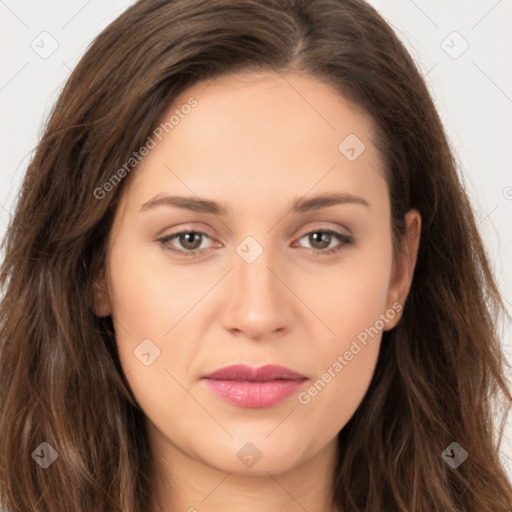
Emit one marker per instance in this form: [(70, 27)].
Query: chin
[(257, 455)]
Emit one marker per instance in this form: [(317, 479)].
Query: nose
[(259, 303)]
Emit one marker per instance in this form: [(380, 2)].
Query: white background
[(472, 90)]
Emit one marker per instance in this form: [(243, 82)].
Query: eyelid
[(337, 229), (206, 230)]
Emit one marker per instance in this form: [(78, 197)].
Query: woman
[(330, 344)]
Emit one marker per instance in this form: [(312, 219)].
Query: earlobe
[(102, 306), (404, 269)]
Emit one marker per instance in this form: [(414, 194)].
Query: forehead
[(262, 133), (270, 108)]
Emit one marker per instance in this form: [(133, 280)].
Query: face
[(268, 275)]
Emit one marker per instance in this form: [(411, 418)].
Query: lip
[(247, 386)]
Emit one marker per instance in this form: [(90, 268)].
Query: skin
[(255, 143)]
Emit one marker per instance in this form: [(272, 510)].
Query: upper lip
[(250, 373)]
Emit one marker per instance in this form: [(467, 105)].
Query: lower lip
[(254, 394)]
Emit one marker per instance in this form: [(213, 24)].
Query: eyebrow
[(300, 205)]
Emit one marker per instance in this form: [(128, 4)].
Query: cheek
[(346, 362), (148, 297), (148, 301), (353, 295), (355, 310), (153, 299)]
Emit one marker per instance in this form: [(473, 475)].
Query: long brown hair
[(440, 376)]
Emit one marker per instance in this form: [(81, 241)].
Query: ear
[(403, 269), (102, 305)]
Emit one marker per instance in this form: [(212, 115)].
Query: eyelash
[(344, 239)]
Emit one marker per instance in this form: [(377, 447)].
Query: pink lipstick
[(247, 386)]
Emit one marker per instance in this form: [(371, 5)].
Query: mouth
[(247, 386)]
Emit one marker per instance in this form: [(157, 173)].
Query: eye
[(323, 239), (191, 242)]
